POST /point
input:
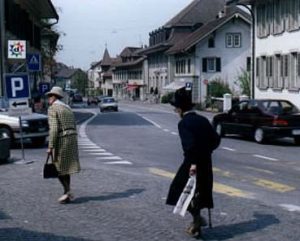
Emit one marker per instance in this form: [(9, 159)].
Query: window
[(277, 81), (248, 64), (189, 66), (180, 66), (211, 42), (278, 21), (233, 40), (294, 72), (211, 65), (269, 70), (261, 72), (293, 15)]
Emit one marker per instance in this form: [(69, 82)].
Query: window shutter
[(204, 65), (218, 63)]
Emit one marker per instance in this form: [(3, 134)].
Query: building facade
[(277, 49)]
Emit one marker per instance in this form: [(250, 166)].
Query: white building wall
[(279, 44), (232, 59)]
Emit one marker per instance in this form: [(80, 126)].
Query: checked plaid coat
[(63, 138)]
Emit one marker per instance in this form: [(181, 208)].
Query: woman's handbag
[(186, 196), (50, 170)]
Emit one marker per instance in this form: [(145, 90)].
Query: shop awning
[(175, 85), (131, 87)]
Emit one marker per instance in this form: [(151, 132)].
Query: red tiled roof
[(198, 11), (206, 29)]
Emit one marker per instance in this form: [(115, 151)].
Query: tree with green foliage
[(244, 82)]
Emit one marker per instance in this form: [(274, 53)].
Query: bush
[(217, 88), (167, 98)]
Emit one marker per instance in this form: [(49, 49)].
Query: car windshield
[(108, 100)]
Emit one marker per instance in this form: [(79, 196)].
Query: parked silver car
[(34, 126), (4, 147)]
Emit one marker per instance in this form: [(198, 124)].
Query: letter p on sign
[(16, 85)]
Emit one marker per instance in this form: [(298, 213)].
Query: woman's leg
[(65, 180)]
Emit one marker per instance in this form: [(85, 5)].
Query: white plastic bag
[(186, 196)]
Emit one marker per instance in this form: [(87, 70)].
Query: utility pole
[(2, 48)]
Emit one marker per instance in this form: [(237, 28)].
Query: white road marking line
[(91, 148), (152, 122), (174, 133), (266, 158), (228, 149), (166, 130), (110, 158), (91, 144), (94, 150), (290, 207), (119, 162), (101, 154)]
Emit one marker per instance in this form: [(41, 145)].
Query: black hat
[(182, 99)]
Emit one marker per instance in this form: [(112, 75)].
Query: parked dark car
[(77, 98), (92, 100), (260, 119)]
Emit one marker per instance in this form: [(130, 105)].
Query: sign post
[(18, 93)]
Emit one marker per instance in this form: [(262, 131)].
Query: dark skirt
[(204, 184)]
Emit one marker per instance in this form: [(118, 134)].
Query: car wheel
[(259, 135), (116, 109), (38, 141), (6, 132), (219, 129), (297, 140)]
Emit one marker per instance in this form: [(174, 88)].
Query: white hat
[(56, 90)]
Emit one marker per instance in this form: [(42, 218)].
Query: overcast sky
[(89, 25)]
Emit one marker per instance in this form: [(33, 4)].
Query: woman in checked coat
[(198, 139), (62, 140)]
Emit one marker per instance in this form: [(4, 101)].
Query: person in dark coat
[(198, 139)]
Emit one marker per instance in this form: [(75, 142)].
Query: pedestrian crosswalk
[(89, 148), (227, 183)]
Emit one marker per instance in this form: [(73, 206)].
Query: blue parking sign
[(17, 86), (43, 88), (188, 86)]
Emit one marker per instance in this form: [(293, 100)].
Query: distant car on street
[(92, 100), (34, 127), (108, 103), (260, 119), (77, 98)]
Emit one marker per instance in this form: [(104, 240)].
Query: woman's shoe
[(71, 196), (64, 199), (194, 231)]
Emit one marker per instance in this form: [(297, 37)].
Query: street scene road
[(128, 160)]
